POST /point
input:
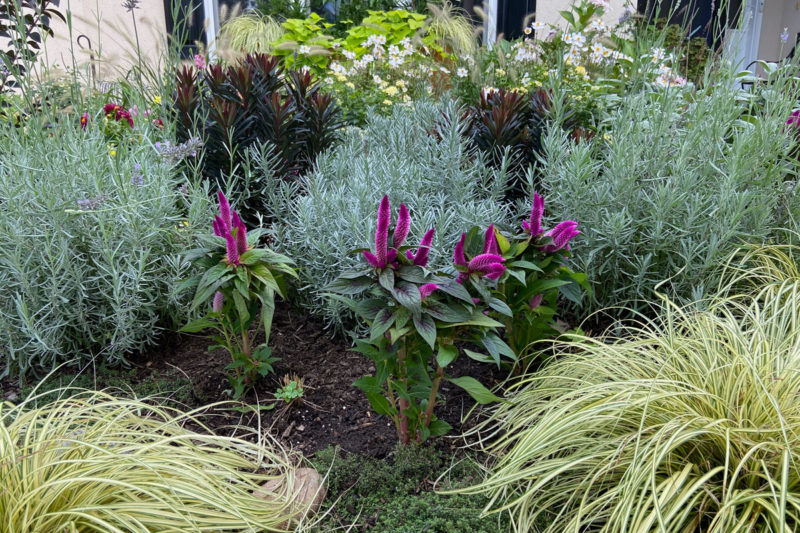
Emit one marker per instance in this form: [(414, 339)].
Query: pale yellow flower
[(157, 100), (391, 91), (350, 85), (387, 102)]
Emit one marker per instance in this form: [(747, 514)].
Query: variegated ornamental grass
[(688, 423), (95, 463)]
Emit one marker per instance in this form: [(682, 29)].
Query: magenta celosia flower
[(383, 256), (219, 299), (490, 245), (491, 265), (241, 233), (794, 119), (421, 257), (427, 289), (402, 227), (225, 212), (561, 235), (535, 301), (231, 249), (84, 121), (219, 227), (458, 254), (534, 224)]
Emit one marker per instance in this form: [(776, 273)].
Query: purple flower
[(421, 257), (241, 234), (384, 256), (458, 254), (219, 299), (219, 227), (534, 223), (225, 211), (784, 35), (427, 289), (536, 301), (491, 265), (232, 249), (402, 227), (794, 119), (561, 235), (490, 245)]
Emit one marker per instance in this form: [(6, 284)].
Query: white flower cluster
[(668, 78), (599, 3), (523, 51)]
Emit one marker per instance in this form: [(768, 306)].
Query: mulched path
[(334, 412)]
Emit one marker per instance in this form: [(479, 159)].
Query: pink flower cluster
[(117, 113), (229, 226), (561, 234)]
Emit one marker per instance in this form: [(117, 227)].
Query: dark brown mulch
[(334, 413)]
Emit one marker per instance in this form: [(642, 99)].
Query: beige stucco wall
[(547, 11), (110, 28), (777, 15)]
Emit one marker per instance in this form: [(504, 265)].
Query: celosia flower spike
[(561, 235), (241, 234), (536, 301), (402, 227), (458, 254), (421, 257), (490, 245), (534, 224), (427, 289), (219, 299), (225, 212), (219, 230), (231, 248), (382, 232)]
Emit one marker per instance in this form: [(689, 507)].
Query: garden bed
[(333, 412)]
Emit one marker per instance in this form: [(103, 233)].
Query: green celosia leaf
[(474, 388), (383, 320), (386, 279), (426, 328), (408, 296), (447, 354), (198, 325)]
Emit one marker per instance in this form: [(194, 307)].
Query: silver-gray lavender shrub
[(443, 183), (672, 184), (89, 246)]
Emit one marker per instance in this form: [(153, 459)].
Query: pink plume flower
[(535, 301), (232, 250), (490, 245), (561, 235), (534, 224), (219, 226), (241, 234), (225, 212), (382, 232), (458, 254), (402, 227), (427, 289), (794, 119), (421, 257), (480, 262), (219, 299), (371, 259), (199, 62)]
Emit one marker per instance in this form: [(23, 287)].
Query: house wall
[(777, 15), (110, 29)]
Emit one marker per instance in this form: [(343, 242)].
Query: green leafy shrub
[(88, 242), (304, 43), (671, 184), (236, 284), (394, 494), (254, 104), (439, 176), (686, 423)]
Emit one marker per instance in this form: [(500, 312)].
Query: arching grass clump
[(94, 463), (688, 423)]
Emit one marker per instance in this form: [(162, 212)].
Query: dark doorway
[(512, 15), (702, 17), (185, 25)]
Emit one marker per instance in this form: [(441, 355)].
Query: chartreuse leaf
[(446, 354), (479, 393)]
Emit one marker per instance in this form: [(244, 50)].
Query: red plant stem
[(432, 398)]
